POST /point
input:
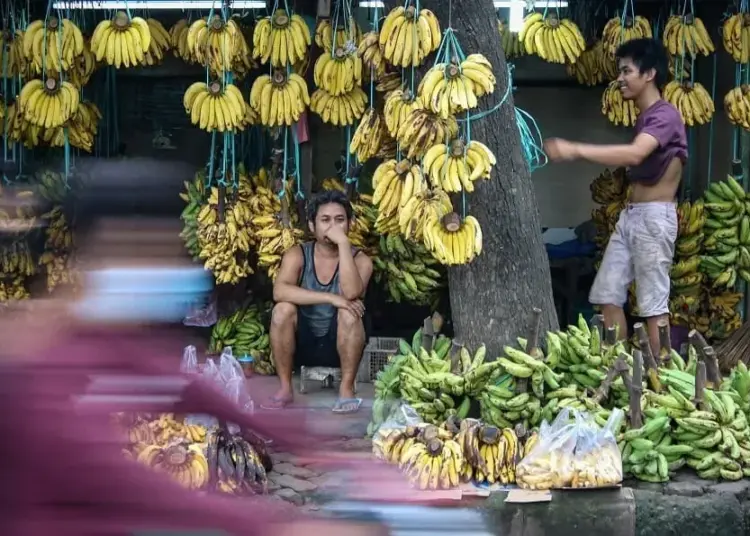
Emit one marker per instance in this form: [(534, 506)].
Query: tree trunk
[(493, 297)]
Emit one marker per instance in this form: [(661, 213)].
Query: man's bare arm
[(627, 154), (286, 287), (354, 273)]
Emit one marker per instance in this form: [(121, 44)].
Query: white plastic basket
[(378, 352)]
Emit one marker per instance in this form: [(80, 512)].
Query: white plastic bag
[(229, 367), (189, 364), (402, 416), (202, 317)]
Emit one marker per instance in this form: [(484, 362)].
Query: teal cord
[(736, 131), (711, 128), (282, 191), (297, 176), (211, 161)]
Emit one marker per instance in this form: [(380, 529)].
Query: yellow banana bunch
[(421, 129), (512, 46), (81, 129), (48, 103), (84, 66), (178, 36), (368, 137), (618, 111), (13, 290), (243, 62), (455, 166), (408, 271), (279, 99), (16, 258), (618, 30), (348, 35), (453, 241), (692, 100), (371, 54), (185, 464), (12, 59), (213, 107), (387, 82), (57, 260), (339, 110), (686, 35), (588, 70), (735, 35), (217, 43), (52, 46), (338, 72), (160, 42), (494, 454), (737, 106), (281, 38), (399, 104), (450, 88), (679, 68), (418, 210), (121, 41), (394, 184), (224, 238), (551, 38), (691, 218), (408, 36)]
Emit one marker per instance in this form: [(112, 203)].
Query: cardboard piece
[(520, 496)]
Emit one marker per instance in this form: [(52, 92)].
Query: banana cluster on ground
[(408, 271), (686, 35), (692, 101), (408, 36), (237, 465), (735, 35), (554, 39), (246, 334)]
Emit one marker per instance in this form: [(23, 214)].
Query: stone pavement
[(308, 483)]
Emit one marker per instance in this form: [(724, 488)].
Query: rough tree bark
[(492, 298)]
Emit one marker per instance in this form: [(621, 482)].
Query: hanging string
[(709, 171)]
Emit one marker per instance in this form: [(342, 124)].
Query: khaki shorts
[(640, 249)]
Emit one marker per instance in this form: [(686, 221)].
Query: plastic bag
[(597, 462), (211, 372), (401, 417), (229, 367), (202, 317), (575, 454), (189, 363)]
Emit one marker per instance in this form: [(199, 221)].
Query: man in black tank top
[(319, 309)]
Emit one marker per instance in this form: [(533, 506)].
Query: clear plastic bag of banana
[(189, 364), (573, 452)]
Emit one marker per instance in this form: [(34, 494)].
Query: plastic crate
[(378, 352)]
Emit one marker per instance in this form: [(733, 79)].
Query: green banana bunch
[(409, 272), (195, 196), (245, 332)]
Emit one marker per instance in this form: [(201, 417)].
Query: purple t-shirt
[(664, 122)]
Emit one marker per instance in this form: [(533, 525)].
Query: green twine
[(297, 177)]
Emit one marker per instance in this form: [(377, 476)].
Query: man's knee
[(349, 323), (284, 314)]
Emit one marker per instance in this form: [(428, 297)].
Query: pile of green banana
[(408, 271), (727, 229), (245, 332)]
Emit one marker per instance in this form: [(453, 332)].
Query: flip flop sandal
[(276, 403), (347, 405)]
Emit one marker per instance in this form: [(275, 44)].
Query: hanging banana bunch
[(215, 107), (619, 30), (178, 37), (282, 39), (121, 41), (369, 136), (735, 35), (692, 100), (618, 110), (160, 42), (589, 69), (216, 44), (52, 47), (512, 45), (84, 67), (554, 39), (12, 58), (348, 35), (453, 88), (737, 106), (408, 36), (686, 35), (279, 99), (372, 54)]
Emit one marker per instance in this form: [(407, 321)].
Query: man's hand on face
[(355, 307), (337, 235)]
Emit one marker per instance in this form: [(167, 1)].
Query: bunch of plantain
[(183, 462), (686, 35), (279, 99), (618, 110), (554, 39), (407, 36), (217, 106), (609, 186), (727, 230), (398, 107), (12, 58), (692, 101), (512, 45), (421, 128), (490, 453), (649, 453), (236, 465), (455, 166)]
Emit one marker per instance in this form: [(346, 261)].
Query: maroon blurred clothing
[(64, 470)]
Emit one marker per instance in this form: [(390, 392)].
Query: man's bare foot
[(280, 400)]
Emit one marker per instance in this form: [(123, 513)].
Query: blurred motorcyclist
[(109, 351)]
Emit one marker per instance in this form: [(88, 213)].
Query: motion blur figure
[(72, 364)]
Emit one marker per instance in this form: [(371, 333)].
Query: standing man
[(642, 245), (319, 308)]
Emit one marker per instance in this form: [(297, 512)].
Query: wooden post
[(597, 322), (532, 345), (708, 355), (700, 384), (634, 392), (428, 334), (610, 337), (455, 357), (603, 391), (649, 362), (665, 342)]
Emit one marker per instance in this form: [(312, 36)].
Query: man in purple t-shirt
[(642, 245)]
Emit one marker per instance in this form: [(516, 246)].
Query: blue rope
[(282, 191), (711, 128), (298, 178), (736, 131)]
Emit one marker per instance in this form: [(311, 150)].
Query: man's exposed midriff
[(662, 191)]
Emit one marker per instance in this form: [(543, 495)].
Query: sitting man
[(319, 308)]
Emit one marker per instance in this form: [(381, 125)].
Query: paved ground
[(305, 482)]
